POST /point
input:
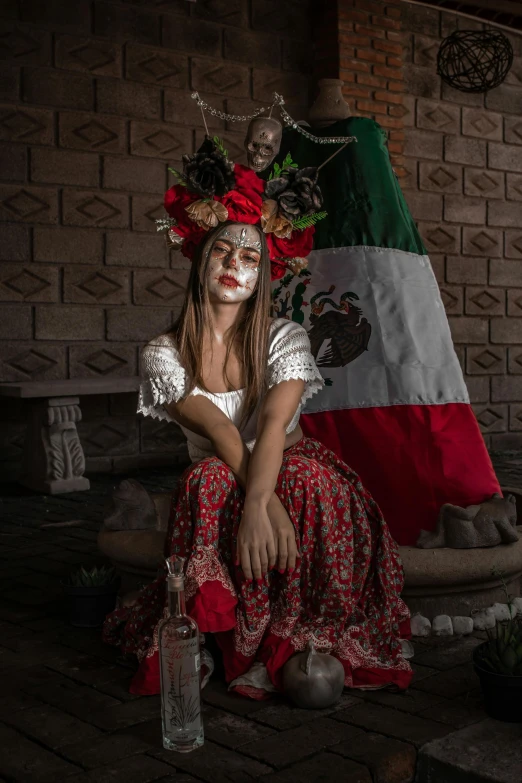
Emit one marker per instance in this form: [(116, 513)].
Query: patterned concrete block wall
[(464, 186), (95, 104)]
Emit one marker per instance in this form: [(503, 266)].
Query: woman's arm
[(254, 547), (200, 415), (278, 410)]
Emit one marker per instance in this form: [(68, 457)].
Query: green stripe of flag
[(361, 193)]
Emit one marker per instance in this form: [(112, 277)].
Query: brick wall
[(370, 49), (95, 103), (464, 186)]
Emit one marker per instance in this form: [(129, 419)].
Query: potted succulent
[(91, 595), (498, 663)]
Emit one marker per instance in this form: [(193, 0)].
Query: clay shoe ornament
[(486, 524)]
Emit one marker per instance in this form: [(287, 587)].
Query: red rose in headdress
[(248, 183), (278, 269), (177, 198), (190, 245), (244, 202), (298, 244)]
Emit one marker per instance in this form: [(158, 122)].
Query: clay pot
[(313, 680)]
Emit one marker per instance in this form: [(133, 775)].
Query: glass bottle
[(178, 637)]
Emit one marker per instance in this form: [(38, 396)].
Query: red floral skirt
[(344, 593)]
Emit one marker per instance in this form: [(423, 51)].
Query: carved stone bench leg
[(54, 461)]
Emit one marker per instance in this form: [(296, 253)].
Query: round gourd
[(313, 680)]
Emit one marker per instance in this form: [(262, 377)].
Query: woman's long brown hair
[(249, 336)]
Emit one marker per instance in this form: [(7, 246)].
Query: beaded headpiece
[(211, 189)]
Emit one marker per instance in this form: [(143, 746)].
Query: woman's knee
[(300, 467), (210, 468), (300, 473)]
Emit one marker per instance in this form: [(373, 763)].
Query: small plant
[(96, 577), (503, 651)]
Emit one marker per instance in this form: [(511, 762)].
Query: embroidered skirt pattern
[(344, 593)]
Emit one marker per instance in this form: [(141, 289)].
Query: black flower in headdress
[(296, 192), (208, 172)]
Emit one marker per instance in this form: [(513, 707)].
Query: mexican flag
[(395, 406)]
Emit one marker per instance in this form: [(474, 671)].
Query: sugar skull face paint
[(233, 266)]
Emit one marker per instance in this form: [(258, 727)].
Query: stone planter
[(137, 554), (458, 581)]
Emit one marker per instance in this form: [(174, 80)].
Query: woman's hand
[(255, 542), (284, 535)]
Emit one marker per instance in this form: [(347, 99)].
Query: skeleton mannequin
[(262, 142)]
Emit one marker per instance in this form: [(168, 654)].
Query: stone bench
[(53, 460)]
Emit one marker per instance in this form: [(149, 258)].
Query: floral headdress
[(211, 189)]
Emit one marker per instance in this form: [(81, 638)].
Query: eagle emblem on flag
[(338, 331)]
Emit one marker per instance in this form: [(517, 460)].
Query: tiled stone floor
[(66, 714)]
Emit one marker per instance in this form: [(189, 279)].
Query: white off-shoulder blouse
[(164, 380)]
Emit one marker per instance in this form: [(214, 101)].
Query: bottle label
[(180, 685)]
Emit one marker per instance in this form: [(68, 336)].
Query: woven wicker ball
[(474, 60)]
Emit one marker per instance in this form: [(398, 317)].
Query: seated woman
[(283, 543)]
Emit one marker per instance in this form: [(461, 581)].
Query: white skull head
[(262, 142)]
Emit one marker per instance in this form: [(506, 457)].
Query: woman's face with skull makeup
[(233, 265)]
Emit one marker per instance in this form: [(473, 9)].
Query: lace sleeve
[(290, 358), (163, 379)]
